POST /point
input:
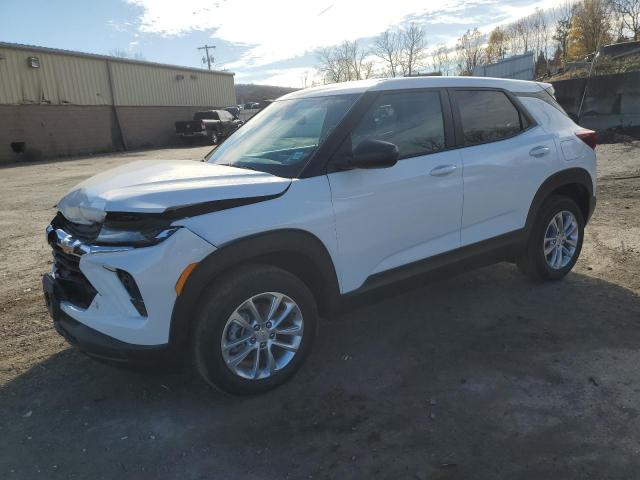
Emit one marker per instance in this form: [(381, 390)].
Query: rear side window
[(546, 97), (487, 116), (413, 121)]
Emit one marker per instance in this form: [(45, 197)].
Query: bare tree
[(629, 13), (344, 63), (387, 47), (539, 31), (355, 58), (403, 52), (331, 66), (563, 15), (523, 29), (440, 59), (347, 55), (470, 51), (413, 42), (120, 53)]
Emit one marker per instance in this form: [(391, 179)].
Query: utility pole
[(209, 58)]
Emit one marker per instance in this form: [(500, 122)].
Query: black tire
[(214, 138), (533, 262), (221, 299)]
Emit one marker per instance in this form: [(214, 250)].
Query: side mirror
[(374, 154)]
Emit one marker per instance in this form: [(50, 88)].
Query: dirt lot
[(484, 376)]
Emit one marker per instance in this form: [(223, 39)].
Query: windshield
[(282, 137)]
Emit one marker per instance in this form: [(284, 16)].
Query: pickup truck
[(209, 124)]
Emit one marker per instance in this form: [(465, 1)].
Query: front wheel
[(254, 329), (555, 241)]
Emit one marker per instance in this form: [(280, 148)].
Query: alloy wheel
[(262, 335), (561, 240)]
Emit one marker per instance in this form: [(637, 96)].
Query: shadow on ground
[(485, 375)]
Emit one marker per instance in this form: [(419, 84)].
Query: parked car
[(251, 105), (235, 111), (328, 193), (212, 125), (265, 103)]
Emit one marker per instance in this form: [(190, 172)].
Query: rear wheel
[(213, 138), (254, 329), (555, 241)]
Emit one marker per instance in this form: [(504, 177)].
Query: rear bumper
[(99, 345)]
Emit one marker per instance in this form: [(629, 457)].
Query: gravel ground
[(485, 375)]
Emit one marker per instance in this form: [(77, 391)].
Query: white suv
[(327, 193)]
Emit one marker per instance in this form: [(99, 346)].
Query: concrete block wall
[(145, 127), (611, 100), (35, 132)]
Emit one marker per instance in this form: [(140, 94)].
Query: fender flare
[(262, 248), (570, 176)]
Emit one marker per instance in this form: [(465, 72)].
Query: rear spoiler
[(548, 88)]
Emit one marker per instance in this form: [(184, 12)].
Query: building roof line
[(109, 58)]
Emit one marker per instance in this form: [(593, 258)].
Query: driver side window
[(413, 121)]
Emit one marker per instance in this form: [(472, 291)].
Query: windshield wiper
[(246, 167)]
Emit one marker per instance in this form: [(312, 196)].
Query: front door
[(390, 217)]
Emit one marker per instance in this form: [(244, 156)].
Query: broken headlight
[(133, 230)]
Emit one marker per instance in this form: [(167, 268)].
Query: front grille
[(84, 233), (75, 287)]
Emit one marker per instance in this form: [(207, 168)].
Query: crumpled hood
[(153, 186)]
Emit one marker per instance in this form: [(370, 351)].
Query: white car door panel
[(500, 181), (390, 217)]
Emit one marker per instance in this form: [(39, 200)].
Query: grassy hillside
[(258, 93), (603, 66)]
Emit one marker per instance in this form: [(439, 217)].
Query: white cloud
[(281, 29), (278, 30), (120, 26), (297, 77)]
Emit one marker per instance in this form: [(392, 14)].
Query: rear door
[(391, 217), (505, 155)]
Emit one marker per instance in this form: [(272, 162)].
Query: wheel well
[(302, 267), (578, 193), (297, 252)]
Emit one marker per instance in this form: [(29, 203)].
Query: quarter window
[(412, 121), (487, 116)]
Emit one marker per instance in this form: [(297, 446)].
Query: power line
[(209, 58)]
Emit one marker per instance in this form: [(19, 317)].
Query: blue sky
[(268, 41)]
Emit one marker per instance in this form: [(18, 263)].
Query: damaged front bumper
[(117, 302), (99, 345)]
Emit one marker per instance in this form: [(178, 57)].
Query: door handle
[(539, 151), (442, 170)]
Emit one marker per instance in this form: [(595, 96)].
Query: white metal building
[(58, 102)]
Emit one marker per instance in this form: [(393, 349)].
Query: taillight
[(589, 137), (202, 127)]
